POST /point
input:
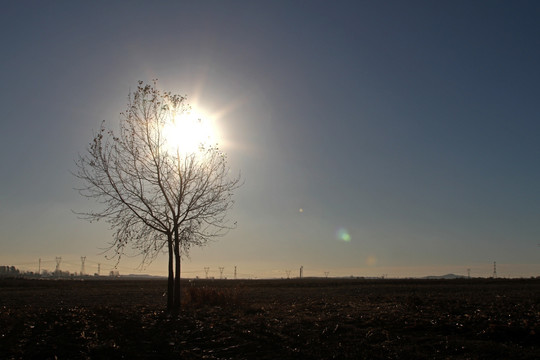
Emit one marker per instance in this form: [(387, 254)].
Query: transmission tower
[(494, 269), (469, 273), (221, 272), (39, 267), (326, 274), (206, 269), (234, 272), (288, 272), (58, 261), (83, 259), (301, 271), (98, 268)]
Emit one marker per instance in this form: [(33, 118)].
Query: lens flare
[(371, 260), (343, 235)]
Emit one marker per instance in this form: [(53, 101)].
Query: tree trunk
[(177, 271), (170, 280)]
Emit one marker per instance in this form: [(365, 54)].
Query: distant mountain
[(447, 276)]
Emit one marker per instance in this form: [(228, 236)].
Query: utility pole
[(98, 268), (469, 273), (221, 272), (494, 269), (206, 269), (234, 272), (39, 267), (301, 271)]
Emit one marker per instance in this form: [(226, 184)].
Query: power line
[(83, 259), (221, 268), (58, 261)]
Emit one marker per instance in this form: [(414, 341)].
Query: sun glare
[(188, 131)]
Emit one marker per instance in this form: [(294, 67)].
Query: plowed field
[(271, 319)]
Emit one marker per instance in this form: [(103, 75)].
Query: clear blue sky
[(411, 126)]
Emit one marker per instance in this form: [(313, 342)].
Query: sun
[(188, 131)]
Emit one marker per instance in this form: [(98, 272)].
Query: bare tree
[(156, 197)]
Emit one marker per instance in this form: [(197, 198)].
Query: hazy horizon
[(274, 270)]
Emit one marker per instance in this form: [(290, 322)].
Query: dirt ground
[(271, 319)]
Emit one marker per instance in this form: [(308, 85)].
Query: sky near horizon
[(397, 138)]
